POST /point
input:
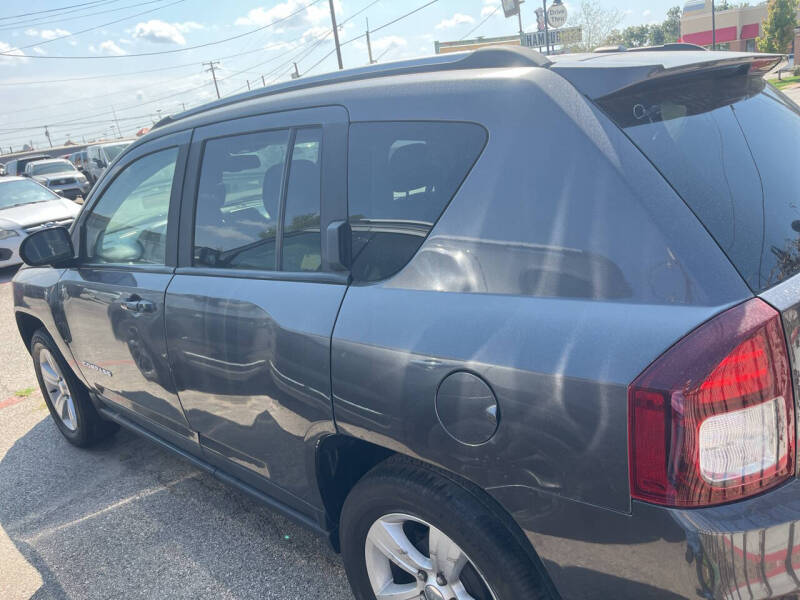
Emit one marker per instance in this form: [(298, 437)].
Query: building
[(737, 28), (474, 44)]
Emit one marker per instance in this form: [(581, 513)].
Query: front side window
[(238, 199), (129, 223), (401, 176)]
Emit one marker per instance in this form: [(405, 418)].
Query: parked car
[(498, 326), (99, 156), (17, 166), (26, 207), (60, 175), (77, 159)]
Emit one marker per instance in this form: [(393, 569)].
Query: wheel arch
[(27, 324)]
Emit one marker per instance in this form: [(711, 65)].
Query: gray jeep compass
[(499, 327)]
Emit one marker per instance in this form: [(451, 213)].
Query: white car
[(27, 206)]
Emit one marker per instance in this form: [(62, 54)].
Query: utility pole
[(263, 81), (211, 64), (296, 74), (183, 105), (114, 112), (336, 35), (248, 85), (713, 26), (369, 45), (47, 135), (546, 31)]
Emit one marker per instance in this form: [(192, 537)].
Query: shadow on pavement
[(128, 520)]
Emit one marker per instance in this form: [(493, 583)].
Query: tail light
[(712, 419)]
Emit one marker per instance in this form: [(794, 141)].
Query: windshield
[(25, 191), (52, 167), (113, 151), (730, 146)]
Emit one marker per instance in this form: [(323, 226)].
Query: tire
[(497, 566), (66, 397)]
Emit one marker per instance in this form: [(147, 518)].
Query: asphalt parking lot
[(128, 519)]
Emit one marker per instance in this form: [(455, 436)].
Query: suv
[(498, 326), (60, 175), (99, 156)]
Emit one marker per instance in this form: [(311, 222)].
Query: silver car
[(27, 206), (59, 175)]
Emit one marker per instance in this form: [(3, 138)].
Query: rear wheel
[(411, 533), (66, 397)]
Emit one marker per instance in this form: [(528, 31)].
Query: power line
[(82, 31), (478, 26), (161, 52), (39, 12), (39, 22)]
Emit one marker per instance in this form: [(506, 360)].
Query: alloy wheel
[(57, 390), (410, 559)]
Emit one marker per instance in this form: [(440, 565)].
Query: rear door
[(253, 303), (113, 299)]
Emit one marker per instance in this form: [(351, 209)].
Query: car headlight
[(82, 178), (7, 233)]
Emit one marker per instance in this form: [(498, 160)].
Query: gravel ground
[(128, 519)]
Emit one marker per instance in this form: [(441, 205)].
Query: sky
[(111, 91)]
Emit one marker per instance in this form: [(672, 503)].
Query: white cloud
[(158, 31), (46, 34), (315, 33), (188, 26), (315, 15), (109, 47), (9, 60), (490, 6), (455, 20), (647, 13), (39, 51), (390, 41)]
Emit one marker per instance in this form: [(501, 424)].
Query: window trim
[(130, 155), (333, 122)]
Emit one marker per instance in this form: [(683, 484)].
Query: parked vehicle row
[(498, 326)]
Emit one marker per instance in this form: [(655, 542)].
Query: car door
[(253, 303), (113, 299)]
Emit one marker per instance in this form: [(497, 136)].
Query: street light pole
[(713, 26), (546, 34)]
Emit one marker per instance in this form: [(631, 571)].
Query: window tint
[(301, 225), (236, 219), (129, 222), (730, 145), (401, 178)]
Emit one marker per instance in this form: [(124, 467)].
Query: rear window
[(730, 146), (401, 177)]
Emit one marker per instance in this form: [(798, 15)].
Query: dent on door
[(251, 359)]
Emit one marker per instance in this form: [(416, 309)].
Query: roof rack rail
[(483, 58), (671, 47)]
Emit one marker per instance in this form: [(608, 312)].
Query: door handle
[(135, 303)]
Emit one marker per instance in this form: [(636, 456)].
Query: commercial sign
[(558, 37), (510, 7), (557, 15)]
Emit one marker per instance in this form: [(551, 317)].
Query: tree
[(671, 27), (636, 36), (597, 23), (777, 30)]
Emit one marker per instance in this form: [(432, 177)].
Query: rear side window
[(730, 146), (401, 176)]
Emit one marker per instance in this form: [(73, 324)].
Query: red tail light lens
[(712, 419)]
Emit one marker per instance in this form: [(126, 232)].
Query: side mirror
[(338, 243), (49, 246)]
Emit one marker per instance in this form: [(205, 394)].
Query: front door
[(113, 300), (253, 303)]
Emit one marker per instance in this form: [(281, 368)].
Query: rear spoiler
[(596, 81)]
